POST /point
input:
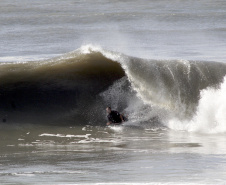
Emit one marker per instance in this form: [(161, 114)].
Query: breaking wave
[(76, 87)]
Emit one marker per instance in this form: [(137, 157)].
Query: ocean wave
[(76, 87), (50, 89)]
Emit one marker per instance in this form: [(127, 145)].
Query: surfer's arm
[(108, 123), (121, 117)]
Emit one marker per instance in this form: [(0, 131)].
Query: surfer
[(114, 117)]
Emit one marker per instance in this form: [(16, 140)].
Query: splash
[(210, 116)]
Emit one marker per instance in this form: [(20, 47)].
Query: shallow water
[(122, 154)]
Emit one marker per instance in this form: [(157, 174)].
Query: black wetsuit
[(114, 117)]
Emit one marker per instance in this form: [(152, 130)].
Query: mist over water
[(160, 63)]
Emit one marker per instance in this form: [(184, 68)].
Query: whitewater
[(160, 63)]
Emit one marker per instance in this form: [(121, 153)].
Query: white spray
[(211, 113)]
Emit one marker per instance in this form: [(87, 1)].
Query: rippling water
[(124, 154)]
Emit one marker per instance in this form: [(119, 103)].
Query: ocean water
[(161, 63)]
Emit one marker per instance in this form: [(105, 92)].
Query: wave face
[(76, 88), (49, 90)]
